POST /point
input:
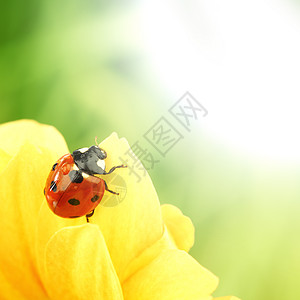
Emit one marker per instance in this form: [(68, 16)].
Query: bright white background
[(240, 59)]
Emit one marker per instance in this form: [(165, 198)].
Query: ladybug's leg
[(113, 168), (107, 189), (89, 215)]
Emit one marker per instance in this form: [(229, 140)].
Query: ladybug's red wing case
[(58, 180), (81, 198), (69, 193)]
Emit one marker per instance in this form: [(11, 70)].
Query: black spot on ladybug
[(74, 201), (72, 217), (53, 186), (44, 191), (54, 166), (76, 176), (95, 198)]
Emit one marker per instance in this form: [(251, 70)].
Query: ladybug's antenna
[(96, 138)]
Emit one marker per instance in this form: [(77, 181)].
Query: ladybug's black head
[(98, 151), (90, 160)]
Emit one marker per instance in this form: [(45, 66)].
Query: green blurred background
[(86, 68)]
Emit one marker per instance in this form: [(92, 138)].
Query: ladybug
[(72, 188)]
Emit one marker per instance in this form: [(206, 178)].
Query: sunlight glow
[(240, 60)]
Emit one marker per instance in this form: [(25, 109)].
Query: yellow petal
[(21, 194), (8, 291), (135, 223), (23, 174), (78, 266), (179, 226), (173, 275), (48, 225), (4, 159), (129, 227), (14, 134), (150, 253)]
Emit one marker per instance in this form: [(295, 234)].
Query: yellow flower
[(136, 250)]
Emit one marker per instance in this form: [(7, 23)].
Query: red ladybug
[(72, 190)]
